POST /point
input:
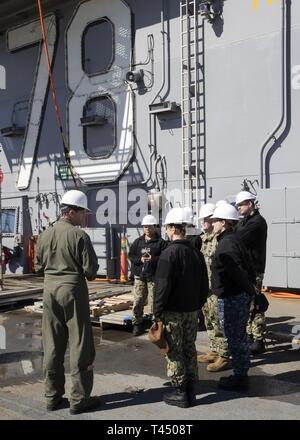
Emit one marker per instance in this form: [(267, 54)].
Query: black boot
[(138, 329), (87, 405), (236, 382), (177, 397), (191, 393), (60, 403), (257, 347)]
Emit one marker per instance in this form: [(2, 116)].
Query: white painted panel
[(293, 237), (274, 211), (110, 83), (25, 35), (19, 38)]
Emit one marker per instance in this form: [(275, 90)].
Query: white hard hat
[(189, 215), (244, 195), (175, 216), (226, 212), (75, 198), (206, 210), (149, 220), (221, 202)]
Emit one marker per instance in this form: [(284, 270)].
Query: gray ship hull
[(159, 105)]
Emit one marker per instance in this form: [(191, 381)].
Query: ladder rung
[(188, 98), (192, 53)]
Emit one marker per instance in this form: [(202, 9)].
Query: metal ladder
[(192, 105)]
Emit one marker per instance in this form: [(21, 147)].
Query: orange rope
[(57, 112), (285, 295), (109, 280)]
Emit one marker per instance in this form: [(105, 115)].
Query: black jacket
[(195, 240), (155, 246), (252, 230), (181, 283), (232, 271)]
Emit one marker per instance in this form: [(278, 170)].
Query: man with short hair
[(143, 254), (252, 230), (67, 258), (181, 287)]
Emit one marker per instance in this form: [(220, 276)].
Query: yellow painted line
[(255, 3)]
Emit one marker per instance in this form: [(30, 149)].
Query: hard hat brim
[(207, 216), (76, 206), (233, 219)]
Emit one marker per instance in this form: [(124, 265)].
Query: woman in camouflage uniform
[(218, 357)]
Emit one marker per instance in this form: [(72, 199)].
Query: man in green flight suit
[(67, 258)]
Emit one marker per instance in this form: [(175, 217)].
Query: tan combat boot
[(209, 357), (220, 364)]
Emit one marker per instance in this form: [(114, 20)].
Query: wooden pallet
[(112, 304), (98, 306)]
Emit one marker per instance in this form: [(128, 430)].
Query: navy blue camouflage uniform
[(181, 287)]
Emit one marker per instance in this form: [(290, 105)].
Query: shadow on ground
[(275, 319), (208, 392)]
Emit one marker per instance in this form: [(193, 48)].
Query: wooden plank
[(107, 294), (16, 293), (16, 299), (33, 309), (98, 311)]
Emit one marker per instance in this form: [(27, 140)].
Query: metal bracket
[(163, 107), (89, 121), (14, 130)]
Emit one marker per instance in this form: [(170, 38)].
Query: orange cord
[(285, 295), (109, 280), (105, 280), (57, 112), (277, 294)]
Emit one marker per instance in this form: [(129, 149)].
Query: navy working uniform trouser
[(234, 314)]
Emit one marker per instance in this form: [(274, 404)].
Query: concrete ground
[(130, 374)]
